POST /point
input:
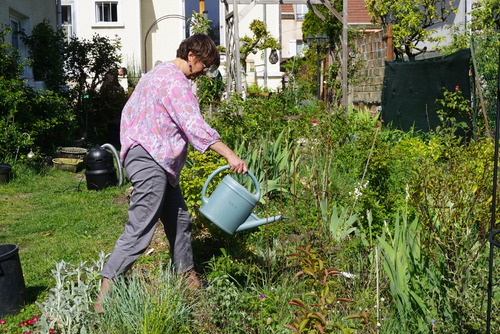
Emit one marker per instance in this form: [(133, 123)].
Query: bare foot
[(106, 285)]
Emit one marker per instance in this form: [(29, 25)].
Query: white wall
[(461, 18), (166, 35), (135, 18)]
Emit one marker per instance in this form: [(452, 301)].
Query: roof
[(357, 13)]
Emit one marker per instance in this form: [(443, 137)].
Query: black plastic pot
[(100, 170), (98, 158), (100, 179), (5, 173), (12, 287)]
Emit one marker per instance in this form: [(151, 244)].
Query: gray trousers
[(153, 198)]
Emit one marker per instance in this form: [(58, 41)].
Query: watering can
[(230, 205)]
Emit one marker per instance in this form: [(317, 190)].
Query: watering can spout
[(254, 221)]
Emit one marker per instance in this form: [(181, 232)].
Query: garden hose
[(117, 158)]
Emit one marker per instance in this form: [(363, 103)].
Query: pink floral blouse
[(162, 115)]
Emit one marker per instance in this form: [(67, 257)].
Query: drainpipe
[(59, 15), (265, 50)]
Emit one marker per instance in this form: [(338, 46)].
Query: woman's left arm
[(237, 165)]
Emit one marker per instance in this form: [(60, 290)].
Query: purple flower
[(262, 296)]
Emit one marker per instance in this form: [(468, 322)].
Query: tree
[(260, 41), (199, 23), (46, 48), (10, 61), (87, 62), (412, 22)]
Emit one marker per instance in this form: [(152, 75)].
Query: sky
[(212, 6)]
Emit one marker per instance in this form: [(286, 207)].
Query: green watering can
[(230, 206)]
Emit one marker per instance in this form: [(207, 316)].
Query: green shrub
[(198, 167), (45, 117)]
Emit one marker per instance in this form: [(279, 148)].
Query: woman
[(161, 116)]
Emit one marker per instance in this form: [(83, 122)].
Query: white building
[(23, 15), (147, 30)]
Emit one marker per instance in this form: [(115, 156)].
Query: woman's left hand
[(237, 165)]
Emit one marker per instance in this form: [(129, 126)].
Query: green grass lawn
[(53, 217)]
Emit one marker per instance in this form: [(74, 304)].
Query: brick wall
[(371, 50)]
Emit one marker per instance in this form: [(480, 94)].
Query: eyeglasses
[(210, 71)]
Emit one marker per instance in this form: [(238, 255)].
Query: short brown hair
[(202, 46)]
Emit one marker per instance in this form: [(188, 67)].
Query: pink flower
[(2, 321), (457, 87)]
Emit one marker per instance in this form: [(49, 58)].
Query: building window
[(301, 11), (300, 48), (67, 21), (295, 48), (106, 11), (15, 39), (66, 15)]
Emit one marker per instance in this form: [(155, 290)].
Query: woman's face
[(197, 67)]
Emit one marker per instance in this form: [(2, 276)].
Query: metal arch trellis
[(233, 66), (164, 17)]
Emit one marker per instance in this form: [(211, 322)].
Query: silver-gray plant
[(69, 305)]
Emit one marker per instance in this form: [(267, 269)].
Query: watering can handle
[(204, 199)]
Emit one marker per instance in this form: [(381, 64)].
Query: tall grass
[(150, 304)]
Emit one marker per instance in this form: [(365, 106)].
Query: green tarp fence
[(411, 89)]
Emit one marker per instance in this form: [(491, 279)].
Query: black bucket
[(5, 173), (100, 179), (12, 288), (98, 158), (101, 172)]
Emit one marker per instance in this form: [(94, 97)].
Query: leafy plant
[(209, 89), (259, 41), (341, 224), (454, 110), (198, 167), (272, 164), (30, 119), (86, 63), (316, 316), (199, 23), (404, 263), (69, 305), (11, 66)]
